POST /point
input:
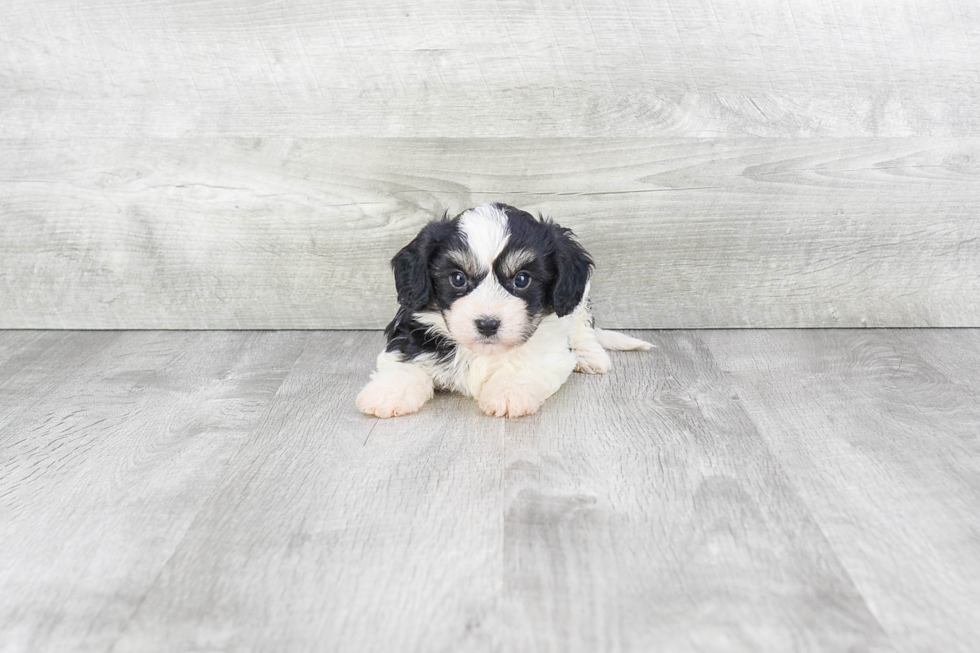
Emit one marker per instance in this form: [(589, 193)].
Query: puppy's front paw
[(382, 398), (502, 401), (592, 359)]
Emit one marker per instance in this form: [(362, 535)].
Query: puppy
[(493, 305)]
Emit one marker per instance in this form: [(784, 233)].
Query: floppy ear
[(573, 264), (411, 265)]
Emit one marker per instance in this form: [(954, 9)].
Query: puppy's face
[(493, 273)]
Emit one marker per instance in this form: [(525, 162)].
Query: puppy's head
[(492, 272)]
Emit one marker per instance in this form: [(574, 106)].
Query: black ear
[(411, 265), (573, 266)]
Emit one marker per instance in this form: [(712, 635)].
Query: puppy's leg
[(591, 358), (511, 394), (397, 388), (519, 386)]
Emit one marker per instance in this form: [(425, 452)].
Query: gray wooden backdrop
[(255, 163)]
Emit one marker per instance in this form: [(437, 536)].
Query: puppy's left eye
[(522, 280), (458, 279)]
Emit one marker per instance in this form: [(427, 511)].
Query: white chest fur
[(546, 355)]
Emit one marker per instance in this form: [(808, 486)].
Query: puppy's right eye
[(458, 279)]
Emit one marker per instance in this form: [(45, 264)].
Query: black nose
[(487, 326)]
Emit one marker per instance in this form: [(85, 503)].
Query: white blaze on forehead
[(486, 231)]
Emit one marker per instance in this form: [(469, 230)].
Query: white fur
[(547, 351), (397, 388), (507, 383), (621, 341), (487, 232), (489, 299)]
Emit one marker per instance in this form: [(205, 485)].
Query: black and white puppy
[(493, 305)]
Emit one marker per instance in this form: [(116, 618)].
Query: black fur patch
[(411, 338), (528, 233), (411, 263), (444, 263), (567, 264)]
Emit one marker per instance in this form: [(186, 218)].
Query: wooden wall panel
[(501, 68), (297, 233), (221, 163)]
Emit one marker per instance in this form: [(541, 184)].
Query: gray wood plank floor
[(796, 490)]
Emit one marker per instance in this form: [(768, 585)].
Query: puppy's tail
[(620, 341)]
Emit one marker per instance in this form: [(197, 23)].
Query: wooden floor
[(729, 491)]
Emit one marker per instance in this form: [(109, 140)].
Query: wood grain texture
[(639, 510), (378, 535), (297, 233), (219, 164), (879, 430), (115, 443), (490, 69), (646, 513)]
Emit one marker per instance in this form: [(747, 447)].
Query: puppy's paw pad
[(592, 361), (384, 400), (509, 403)]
